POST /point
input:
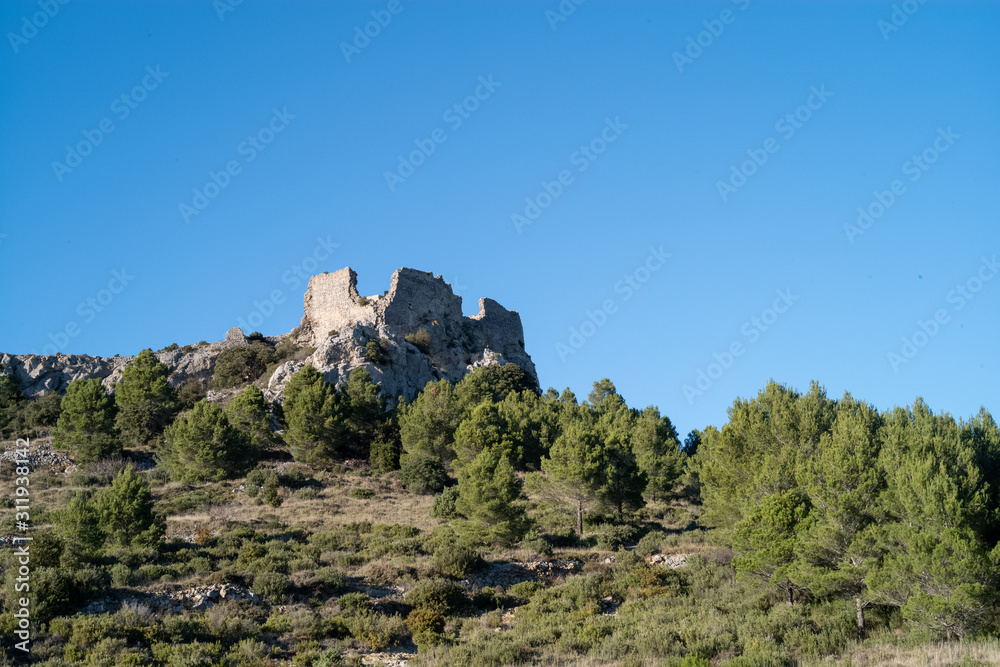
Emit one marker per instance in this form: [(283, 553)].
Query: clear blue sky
[(196, 87)]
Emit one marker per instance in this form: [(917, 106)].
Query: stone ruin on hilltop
[(339, 323), (417, 325)]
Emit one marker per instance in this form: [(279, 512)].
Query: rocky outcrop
[(340, 323), (417, 328), (40, 374)]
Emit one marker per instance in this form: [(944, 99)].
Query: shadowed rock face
[(339, 323)]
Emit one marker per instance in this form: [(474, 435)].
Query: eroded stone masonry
[(339, 323)]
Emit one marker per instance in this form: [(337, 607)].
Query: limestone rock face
[(40, 374), (340, 324), (347, 331)]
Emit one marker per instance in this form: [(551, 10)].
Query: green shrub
[(650, 543), (272, 586), (455, 560), (536, 543), (190, 393), (383, 456), (330, 579), (438, 594), (242, 364), (423, 474), (694, 660), (421, 339), (426, 627), (610, 536), (331, 657), (362, 494), (121, 575), (362, 301), (306, 493), (355, 602), (265, 482), (443, 506), (524, 590), (377, 630), (376, 352)]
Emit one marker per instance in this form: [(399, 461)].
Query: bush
[(241, 364), (363, 494), (455, 560), (362, 301), (306, 493), (440, 595), (272, 586), (443, 506), (265, 482), (376, 630), (355, 602), (421, 339), (384, 456), (610, 537), (426, 627), (536, 543), (190, 393), (376, 352), (423, 474)]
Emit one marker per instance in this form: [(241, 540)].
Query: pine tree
[(313, 417), (202, 445), (364, 413), (427, 425), (79, 524), (490, 497), (767, 539), (485, 428), (843, 481), (936, 566), (575, 467), (87, 422), (653, 441), (756, 453), (146, 401), (126, 511), (250, 412)]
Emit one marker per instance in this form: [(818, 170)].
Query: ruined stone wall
[(331, 303), (415, 300)]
